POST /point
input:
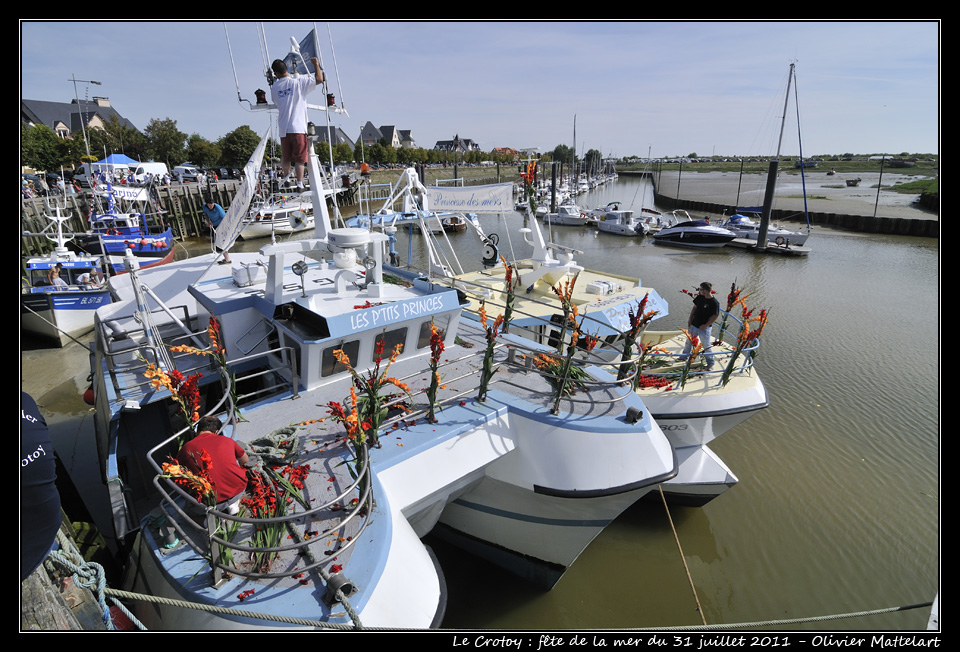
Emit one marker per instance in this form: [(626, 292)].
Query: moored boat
[(62, 290), (279, 341), (698, 234), (126, 219), (567, 215), (743, 227), (280, 214), (612, 219)]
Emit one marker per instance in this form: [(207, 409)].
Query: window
[(329, 365), (390, 339), (423, 339)]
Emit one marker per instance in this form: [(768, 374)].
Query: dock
[(789, 250)]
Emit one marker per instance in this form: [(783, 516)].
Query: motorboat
[(62, 309), (612, 219), (278, 213), (567, 215), (126, 219), (699, 234), (743, 227), (279, 341)]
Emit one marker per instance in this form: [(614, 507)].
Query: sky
[(625, 87)]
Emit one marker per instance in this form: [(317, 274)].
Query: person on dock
[(290, 95), (227, 472), (214, 213), (705, 311)]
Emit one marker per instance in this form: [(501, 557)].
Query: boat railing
[(205, 527), (666, 364), (128, 353)]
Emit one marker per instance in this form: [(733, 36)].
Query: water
[(837, 509)]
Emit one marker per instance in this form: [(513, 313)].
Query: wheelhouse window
[(423, 339), (329, 364), (390, 340)]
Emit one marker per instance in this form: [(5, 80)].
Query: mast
[(772, 174)]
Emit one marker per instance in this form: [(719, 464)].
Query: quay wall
[(182, 206)]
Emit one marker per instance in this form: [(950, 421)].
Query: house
[(65, 117), (335, 134), (394, 137), (507, 151), (458, 144)]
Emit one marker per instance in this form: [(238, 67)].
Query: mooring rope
[(683, 558)]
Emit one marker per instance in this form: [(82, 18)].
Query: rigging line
[(803, 169), (233, 64), (683, 558), (336, 69)]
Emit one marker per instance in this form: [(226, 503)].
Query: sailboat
[(763, 232)]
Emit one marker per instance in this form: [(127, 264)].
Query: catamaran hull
[(538, 508)]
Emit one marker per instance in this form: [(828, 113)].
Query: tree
[(167, 142), (39, 147), (202, 152), (237, 146)]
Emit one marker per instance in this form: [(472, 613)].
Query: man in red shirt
[(227, 472)]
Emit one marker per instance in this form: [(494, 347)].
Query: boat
[(612, 219), (567, 215), (278, 213), (698, 234), (853, 183), (273, 343), (455, 223), (62, 311), (743, 227), (126, 218), (692, 414)]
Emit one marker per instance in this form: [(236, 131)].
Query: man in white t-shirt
[(290, 95)]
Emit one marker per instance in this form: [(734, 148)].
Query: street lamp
[(83, 128)]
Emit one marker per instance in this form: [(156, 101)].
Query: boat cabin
[(298, 315)]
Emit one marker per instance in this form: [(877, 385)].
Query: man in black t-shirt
[(705, 311)]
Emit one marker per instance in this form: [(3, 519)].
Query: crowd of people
[(38, 186)]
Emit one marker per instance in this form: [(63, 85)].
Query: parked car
[(189, 172)]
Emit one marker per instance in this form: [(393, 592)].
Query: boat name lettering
[(488, 641), (673, 427), (389, 313)]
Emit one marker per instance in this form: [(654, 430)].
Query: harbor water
[(837, 510)]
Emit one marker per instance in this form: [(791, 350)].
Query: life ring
[(583, 214), (780, 240)]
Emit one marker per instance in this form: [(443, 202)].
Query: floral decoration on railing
[(368, 409), (750, 331), (638, 321), (487, 370), (218, 352), (436, 350), (529, 186), (696, 348), (564, 292), (511, 282), (185, 390)]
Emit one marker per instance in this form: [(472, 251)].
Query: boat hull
[(537, 508), (60, 316)]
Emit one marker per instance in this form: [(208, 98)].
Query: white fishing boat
[(289, 332), (612, 219), (62, 290)]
